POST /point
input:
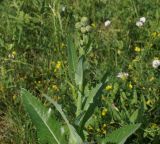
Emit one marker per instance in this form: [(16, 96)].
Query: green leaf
[(134, 116), (93, 101), (48, 128), (120, 135), (90, 96), (79, 72), (79, 83), (74, 137), (72, 57)]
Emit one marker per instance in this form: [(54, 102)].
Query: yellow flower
[(103, 131), (104, 126), (90, 128), (154, 34), (108, 87), (130, 86), (137, 49), (154, 126), (56, 98), (62, 45), (152, 79), (149, 102), (14, 53), (93, 25), (98, 130), (14, 97), (54, 87), (104, 112), (58, 65), (119, 52)]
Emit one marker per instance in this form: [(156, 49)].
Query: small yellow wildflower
[(152, 79), (119, 52), (62, 45), (130, 86), (154, 34), (58, 65), (154, 126), (108, 87), (104, 126), (56, 98), (54, 87), (103, 131), (104, 112), (14, 97), (14, 53), (90, 128), (137, 49), (149, 102), (98, 130), (93, 25)]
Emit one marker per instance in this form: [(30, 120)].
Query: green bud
[(88, 28), (84, 21), (78, 25), (83, 30)]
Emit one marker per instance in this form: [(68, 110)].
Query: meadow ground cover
[(65, 49)]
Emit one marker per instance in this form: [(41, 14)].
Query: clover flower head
[(63, 9), (123, 75), (139, 24), (156, 63), (107, 23), (142, 19)]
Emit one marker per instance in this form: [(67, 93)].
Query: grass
[(34, 37)]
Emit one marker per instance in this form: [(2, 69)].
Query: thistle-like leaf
[(120, 135), (74, 136), (48, 128)]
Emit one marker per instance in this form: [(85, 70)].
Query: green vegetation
[(93, 68)]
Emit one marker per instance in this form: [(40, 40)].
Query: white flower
[(123, 75), (156, 63), (62, 130), (63, 8), (139, 23), (107, 23), (142, 19)]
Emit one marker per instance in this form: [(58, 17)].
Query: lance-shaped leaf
[(79, 72), (72, 57), (91, 102), (74, 136), (79, 83), (120, 135), (48, 128)]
